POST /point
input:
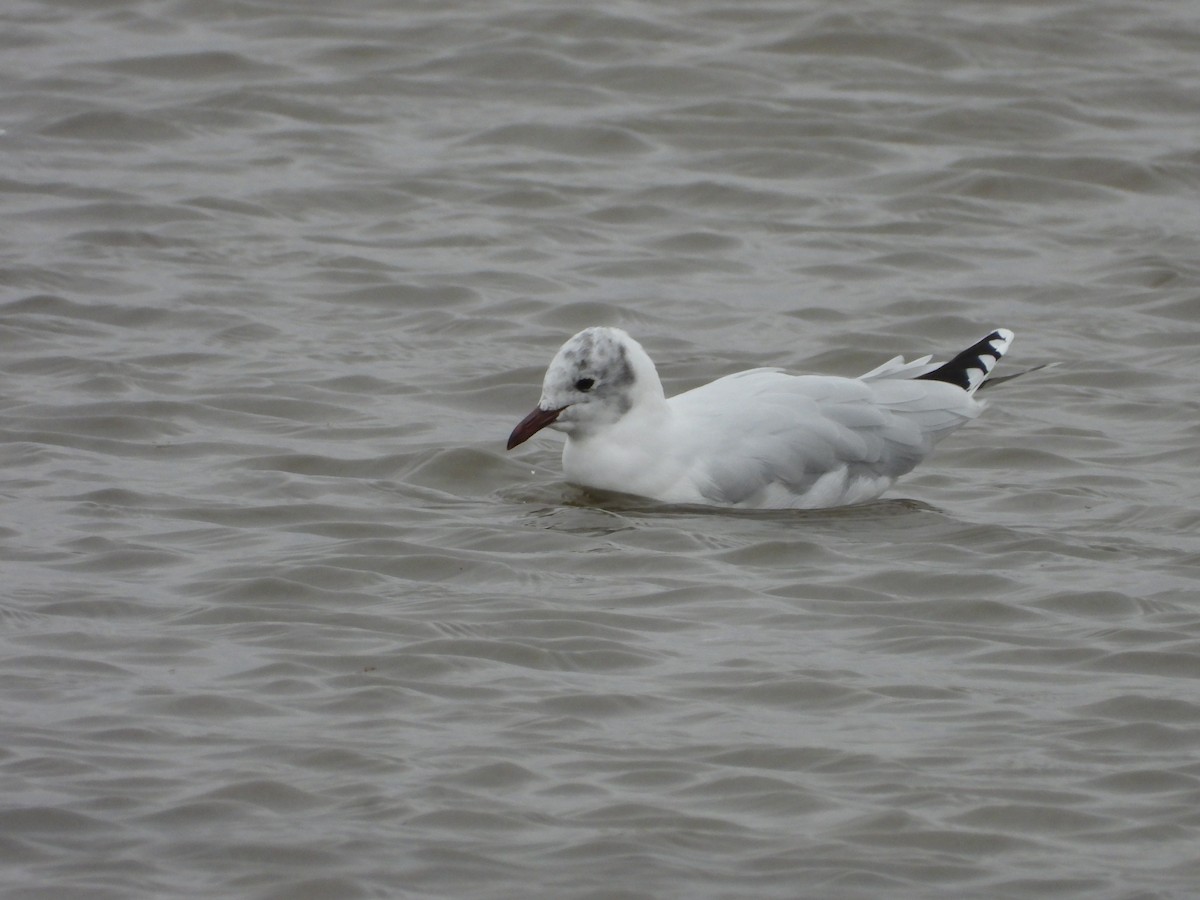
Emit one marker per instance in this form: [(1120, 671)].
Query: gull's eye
[(585, 384)]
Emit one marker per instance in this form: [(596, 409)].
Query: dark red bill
[(532, 424)]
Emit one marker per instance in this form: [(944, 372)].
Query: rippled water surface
[(281, 619)]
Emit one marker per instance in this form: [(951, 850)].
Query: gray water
[(281, 619)]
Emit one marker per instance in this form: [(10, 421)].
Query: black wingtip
[(970, 368)]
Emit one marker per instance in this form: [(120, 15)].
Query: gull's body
[(760, 438)]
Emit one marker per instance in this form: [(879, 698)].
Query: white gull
[(757, 439)]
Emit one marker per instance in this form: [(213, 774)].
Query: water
[(282, 620)]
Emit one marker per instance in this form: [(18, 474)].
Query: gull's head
[(596, 377)]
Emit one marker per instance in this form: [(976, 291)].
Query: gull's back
[(764, 438)]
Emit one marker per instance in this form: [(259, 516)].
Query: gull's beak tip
[(531, 425)]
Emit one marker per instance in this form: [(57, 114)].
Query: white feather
[(760, 438)]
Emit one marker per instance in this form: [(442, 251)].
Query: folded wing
[(785, 440)]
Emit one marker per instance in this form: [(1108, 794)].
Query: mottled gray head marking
[(601, 356), (592, 376), (596, 377)]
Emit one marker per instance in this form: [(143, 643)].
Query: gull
[(759, 439)]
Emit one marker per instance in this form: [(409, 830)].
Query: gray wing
[(769, 431)]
